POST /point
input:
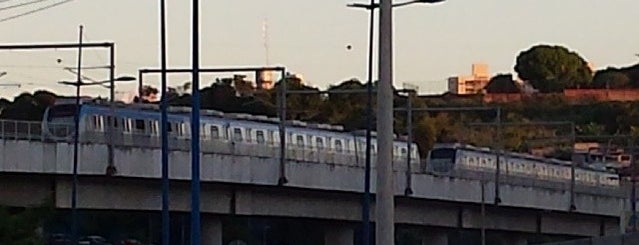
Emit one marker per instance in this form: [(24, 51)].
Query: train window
[(483, 162), (177, 127), (259, 136), (248, 135), (115, 121), (271, 136), (169, 127), (360, 146), (203, 133), (94, 122), (126, 125), (153, 127), (139, 124), (338, 146), (215, 132), (237, 134), (319, 142), (300, 140)]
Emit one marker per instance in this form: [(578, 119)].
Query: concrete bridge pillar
[(434, 237), (211, 230), (339, 235)]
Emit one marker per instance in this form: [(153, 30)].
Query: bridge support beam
[(211, 230), (339, 235), (434, 237)]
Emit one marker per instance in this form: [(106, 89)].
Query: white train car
[(58, 124), (447, 158)]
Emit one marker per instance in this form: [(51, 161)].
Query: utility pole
[(385, 198), (76, 136), (110, 169), (164, 123)]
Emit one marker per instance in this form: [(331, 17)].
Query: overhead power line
[(34, 11), (21, 5)]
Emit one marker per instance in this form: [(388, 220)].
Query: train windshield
[(441, 160), (62, 114)]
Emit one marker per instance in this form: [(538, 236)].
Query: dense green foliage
[(547, 68), (349, 110), (610, 78), (21, 226), (502, 83), (553, 68)]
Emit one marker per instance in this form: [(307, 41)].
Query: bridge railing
[(266, 149), (528, 181), (20, 130), (32, 130)]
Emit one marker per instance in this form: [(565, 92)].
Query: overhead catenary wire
[(21, 5), (34, 11), (101, 59)]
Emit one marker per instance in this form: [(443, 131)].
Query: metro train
[(446, 158), (140, 119)]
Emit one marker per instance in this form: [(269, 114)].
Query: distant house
[(473, 84)]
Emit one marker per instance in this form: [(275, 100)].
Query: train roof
[(553, 161), (214, 113), (183, 110)]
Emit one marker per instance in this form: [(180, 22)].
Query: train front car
[(441, 159), (58, 122)]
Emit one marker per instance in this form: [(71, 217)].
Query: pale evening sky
[(310, 37)]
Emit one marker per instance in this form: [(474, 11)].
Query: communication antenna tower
[(265, 40)]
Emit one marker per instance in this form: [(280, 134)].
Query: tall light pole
[(385, 230), (366, 200), (195, 128), (163, 127), (386, 110), (76, 122)]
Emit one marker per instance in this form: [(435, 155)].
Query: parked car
[(59, 239), (93, 240), (130, 242)]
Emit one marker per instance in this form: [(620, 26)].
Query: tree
[(610, 78), (20, 226), (425, 135), (502, 83), (149, 94), (553, 68), (304, 107), (346, 109), (632, 72)]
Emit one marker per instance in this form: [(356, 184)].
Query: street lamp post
[(76, 120), (385, 231), (163, 126), (409, 111), (366, 200), (195, 184)]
